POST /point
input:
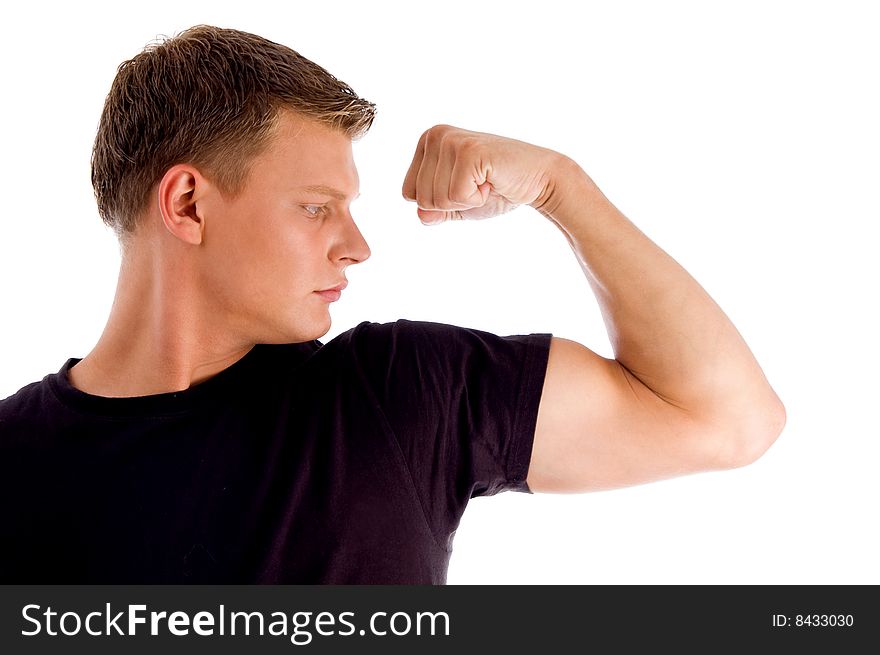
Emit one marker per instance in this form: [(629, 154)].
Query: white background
[(742, 138)]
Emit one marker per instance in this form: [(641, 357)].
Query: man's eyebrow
[(327, 191)]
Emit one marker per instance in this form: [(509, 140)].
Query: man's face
[(288, 234)]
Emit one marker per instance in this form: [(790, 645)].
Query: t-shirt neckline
[(170, 403)]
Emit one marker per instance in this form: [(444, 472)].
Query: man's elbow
[(757, 435)]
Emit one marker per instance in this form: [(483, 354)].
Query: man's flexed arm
[(684, 392)]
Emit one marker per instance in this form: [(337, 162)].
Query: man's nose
[(354, 246)]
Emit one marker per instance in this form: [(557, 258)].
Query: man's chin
[(323, 331), (296, 333), (316, 330)]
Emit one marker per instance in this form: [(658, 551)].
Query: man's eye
[(315, 210)]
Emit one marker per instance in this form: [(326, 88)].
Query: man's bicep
[(600, 427)]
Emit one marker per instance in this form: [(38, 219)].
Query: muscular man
[(210, 436)]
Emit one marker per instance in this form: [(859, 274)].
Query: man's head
[(209, 97), (211, 148)]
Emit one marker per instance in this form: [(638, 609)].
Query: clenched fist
[(458, 174)]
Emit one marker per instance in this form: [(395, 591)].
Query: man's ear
[(180, 190)]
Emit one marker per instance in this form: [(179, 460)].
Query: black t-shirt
[(349, 462)]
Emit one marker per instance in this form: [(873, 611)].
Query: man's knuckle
[(457, 198), (470, 145)]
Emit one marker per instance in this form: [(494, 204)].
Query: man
[(210, 436)]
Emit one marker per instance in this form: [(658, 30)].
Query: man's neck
[(159, 337), (103, 375)]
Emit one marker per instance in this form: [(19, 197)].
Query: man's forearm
[(663, 326)]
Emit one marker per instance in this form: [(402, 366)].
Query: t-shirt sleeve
[(462, 405)]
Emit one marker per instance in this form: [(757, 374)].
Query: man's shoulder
[(21, 411), (396, 328), (416, 333), (375, 345), (384, 338), (22, 400), (428, 334), (413, 345)]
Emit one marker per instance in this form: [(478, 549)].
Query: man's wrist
[(563, 176)]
